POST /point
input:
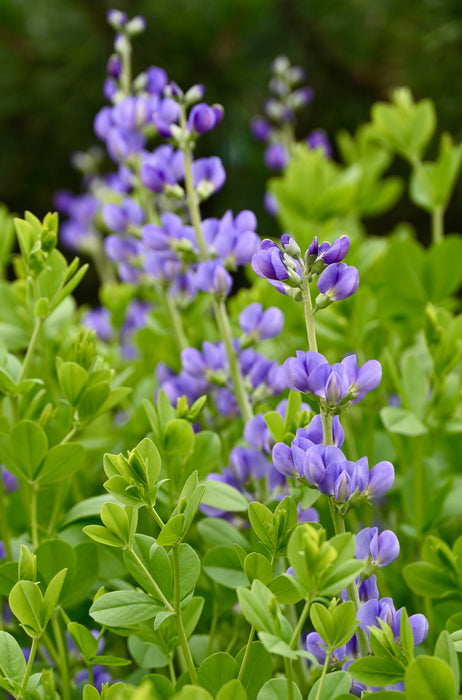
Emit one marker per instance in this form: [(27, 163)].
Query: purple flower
[(9, 480), (363, 380), (300, 370), (233, 239), (166, 114), (316, 646), (260, 324), (276, 156), (283, 460), (208, 175), (119, 217), (212, 277), (338, 281), (282, 271), (204, 118), (162, 167), (380, 550), (271, 204), (260, 128), (2, 550), (131, 113), (247, 463), (381, 479), (99, 320), (318, 139), (314, 431), (374, 610), (156, 80)]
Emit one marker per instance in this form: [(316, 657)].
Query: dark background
[(53, 55)]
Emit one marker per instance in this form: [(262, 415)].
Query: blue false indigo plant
[(240, 546)]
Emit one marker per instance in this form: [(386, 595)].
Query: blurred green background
[(53, 55)]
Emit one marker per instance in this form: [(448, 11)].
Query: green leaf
[(124, 608), (287, 589), (145, 458), (105, 660), (26, 603), (334, 685), (52, 594), (340, 577), (192, 692), (8, 577), (147, 558), (323, 623), (115, 518), (89, 508), (429, 678), (61, 462), (92, 400), (223, 566), (101, 534), (232, 690), (275, 424), (446, 650), (178, 438), (276, 689), (258, 668), (206, 456), (257, 566), (83, 640), (12, 661), (146, 654), (377, 671), (217, 670), (72, 379), (262, 522), (256, 605), (215, 532), (277, 646), (224, 497), (173, 531), (28, 446), (190, 568), (161, 687), (402, 421), (426, 579)]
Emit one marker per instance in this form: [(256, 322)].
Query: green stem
[(301, 622), (30, 350), (171, 669), (63, 658), (177, 323), (179, 622), (418, 485), (246, 654), (309, 315), (156, 516), (30, 663), (4, 528), (33, 514), (352, 589), (234, 368), (126, 71), (91, 680), (437, 225), (290, 687), (323, 675), (49, 646), (327, 419)]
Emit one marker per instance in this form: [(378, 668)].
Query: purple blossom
[(212, 277), (316, 646), (166, 114), (260, 324), (363, 380), (123, 143), (314, 431), (131, 113), (318, 139), (276, 156), (233, 239), (338, 281), (260, 128), (271, 204), (162, 167), (99, 320), (156, 80), (380, 550), (204, 118), (120, 217), (208, 175), (374, 610), (300, 370), (282, 271), (9, 480)]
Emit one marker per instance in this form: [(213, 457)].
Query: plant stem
[(156, 516), (179, 622), (30, 350), (63, 658), (352, 589), (437, 225), (301, 622), (177, 323), (90, 675), (234, 369), (327, 419), (33, 514), (4, 528), (290, 687), (30, 663), (246, 654), (309, 316), (323, 675), (219, 307), (126, 72), (418, 484), (171, 669)]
